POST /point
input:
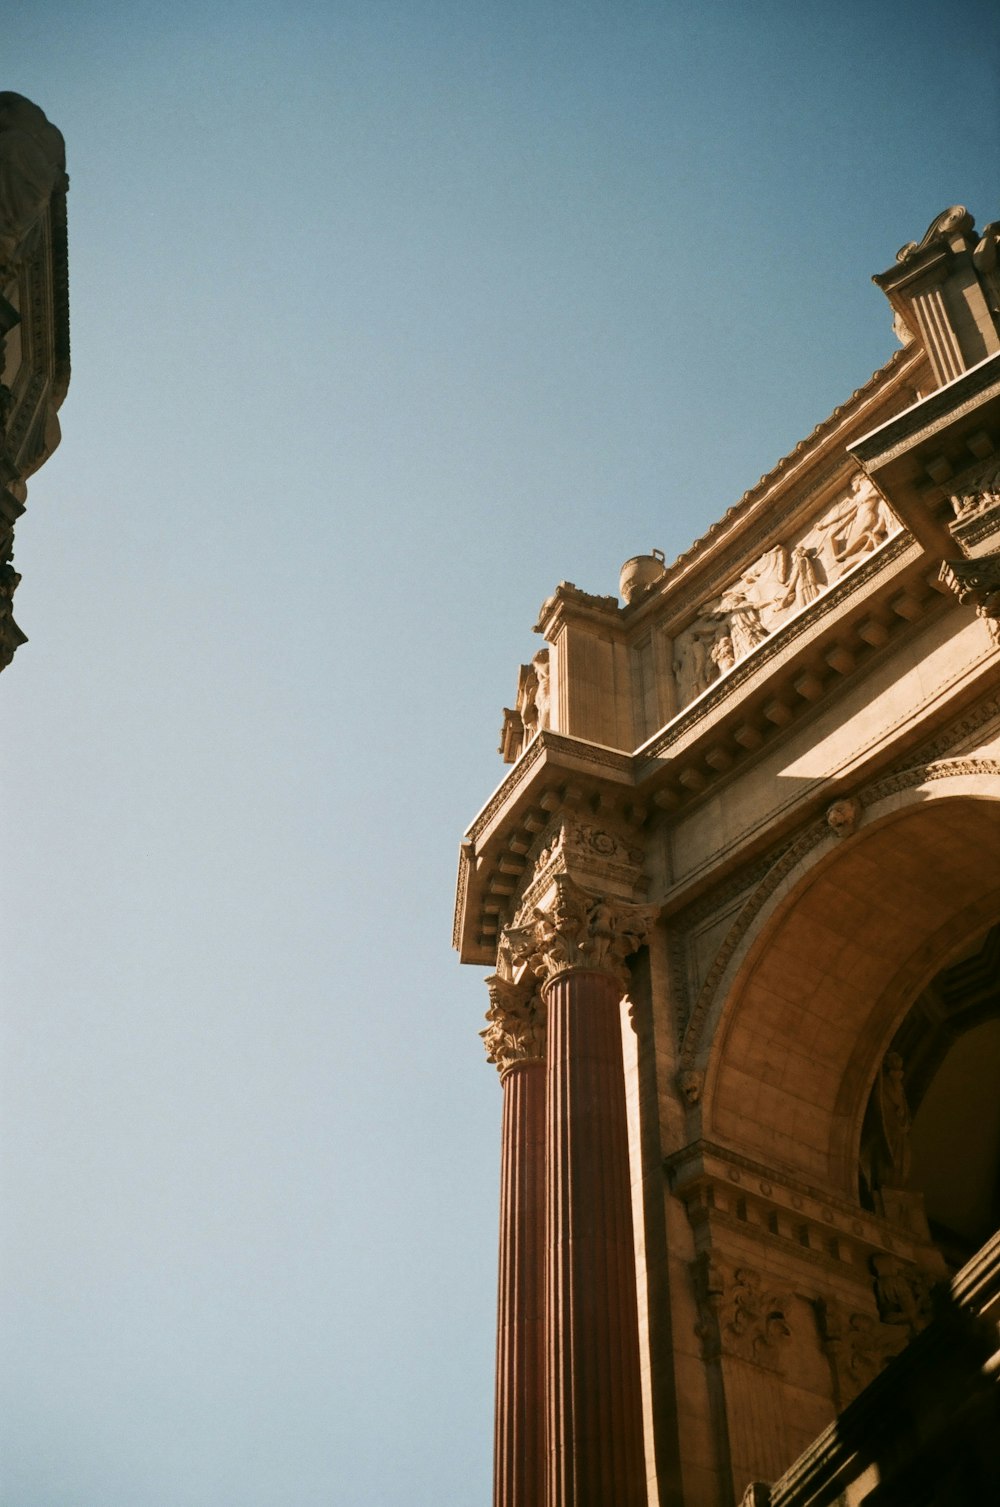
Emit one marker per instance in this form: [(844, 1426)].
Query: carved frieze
[(576, 929), (740, 1313), (857, 1345), (783, 581), (515, 1030)]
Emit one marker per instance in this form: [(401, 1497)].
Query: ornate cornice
[(516, 1018), (575, 930)]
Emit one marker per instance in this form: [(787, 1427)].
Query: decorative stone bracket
[(976, 583)]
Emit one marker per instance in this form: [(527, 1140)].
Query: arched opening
[(948, 1054), (830, 977)]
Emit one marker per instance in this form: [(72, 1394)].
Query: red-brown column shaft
[(594, 1400), (519, 1456)]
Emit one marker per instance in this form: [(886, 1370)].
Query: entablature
[(790, 673), (725, 1193), (927, 460), (557, 778)]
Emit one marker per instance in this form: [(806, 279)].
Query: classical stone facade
[(34, 320), (739, 894)]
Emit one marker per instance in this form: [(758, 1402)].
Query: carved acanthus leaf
[(857, 1345), (575, 929), (740, 1313), (516, 1023)]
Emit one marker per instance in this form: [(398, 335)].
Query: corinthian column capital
[(575, 930), (515, 1030)]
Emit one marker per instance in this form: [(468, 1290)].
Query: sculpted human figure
[(857, 525), (527, 703), (891, 1166), (901, 1292), (601, 932), (723, 654), (541, 668), (842, 816), (765, 583), (533, 695), (693, 666), (803, 582), (745, 627)]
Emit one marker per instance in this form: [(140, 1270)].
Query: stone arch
[(826, 957)]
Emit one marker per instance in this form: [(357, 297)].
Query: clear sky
[(386, 317)]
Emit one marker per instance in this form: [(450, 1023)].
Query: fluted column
[(515, 1041), (577, 945)]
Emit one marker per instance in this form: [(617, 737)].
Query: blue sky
[(386, 318)]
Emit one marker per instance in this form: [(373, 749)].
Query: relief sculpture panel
[(783, 581)]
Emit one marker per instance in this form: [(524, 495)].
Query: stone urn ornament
[(641, 572)]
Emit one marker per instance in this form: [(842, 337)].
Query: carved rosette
[(739, 1313), (596, 852), (575, 930), (515, 1031)]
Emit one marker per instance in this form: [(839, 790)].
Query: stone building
[(34, 320), (739, 896)]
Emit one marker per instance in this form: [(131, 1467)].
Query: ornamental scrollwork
[(740, 1313)]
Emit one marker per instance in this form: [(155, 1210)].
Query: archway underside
[(831, 976)]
